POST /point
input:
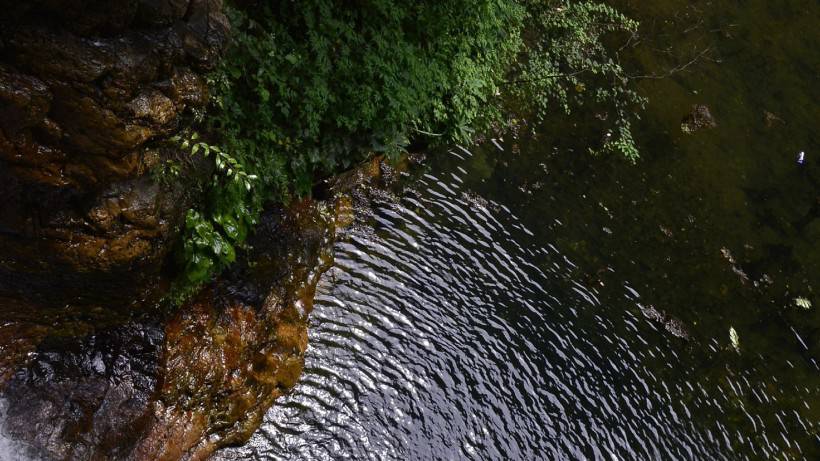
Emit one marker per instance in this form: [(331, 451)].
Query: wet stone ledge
[(89, 92), (182, 386)]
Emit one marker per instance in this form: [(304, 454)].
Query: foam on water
[(9, 449)]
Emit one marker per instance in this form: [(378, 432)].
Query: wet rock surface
[(93, 366), (81, 398), (88, 92), (240, 344), (182, 386)]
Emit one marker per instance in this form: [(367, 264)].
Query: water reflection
[(525, 301), (446, 332)]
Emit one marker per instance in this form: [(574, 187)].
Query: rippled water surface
[(523, 300)]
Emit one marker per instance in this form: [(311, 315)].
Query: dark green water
[(523, 300)]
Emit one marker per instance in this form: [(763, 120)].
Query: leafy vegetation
[(313, 86), (565, 64)]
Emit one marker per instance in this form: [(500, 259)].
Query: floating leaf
[(734, 339), (802, 302)]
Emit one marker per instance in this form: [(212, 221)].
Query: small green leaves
[(210, 238)]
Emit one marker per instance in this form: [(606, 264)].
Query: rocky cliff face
[(90, 366), (181, 387), (87, 89)]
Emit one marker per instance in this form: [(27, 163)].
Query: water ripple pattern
[(445, 332)]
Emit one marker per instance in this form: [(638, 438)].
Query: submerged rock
[(671, 324), (699, 118), (771, 120)]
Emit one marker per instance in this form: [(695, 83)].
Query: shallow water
[(522, 300)]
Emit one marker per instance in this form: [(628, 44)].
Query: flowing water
[(523, 300)]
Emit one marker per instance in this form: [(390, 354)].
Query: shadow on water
[(522, 300)]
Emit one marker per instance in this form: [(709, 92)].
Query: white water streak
[(10, 450)]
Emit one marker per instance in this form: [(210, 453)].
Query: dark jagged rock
[(82, 398)]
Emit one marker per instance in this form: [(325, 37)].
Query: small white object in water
[(801, 158), (802, 302), (734, 338)]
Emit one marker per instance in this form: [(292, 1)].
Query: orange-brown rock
[(182, 387), (92, 367)]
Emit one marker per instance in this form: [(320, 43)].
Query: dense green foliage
[(312, 86), (566, 64)]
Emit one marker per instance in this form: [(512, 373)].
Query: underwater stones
[(671, 324), (771, 120), (699, 118)]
